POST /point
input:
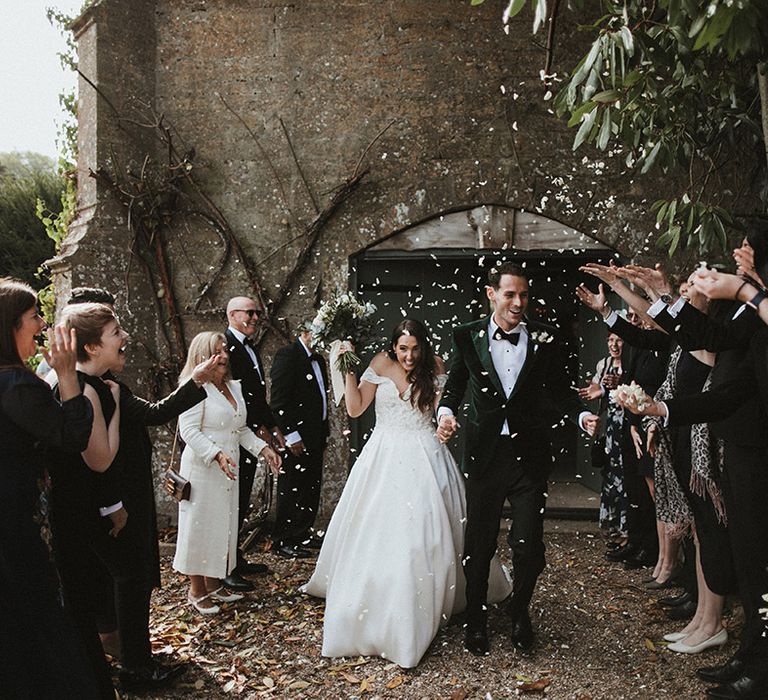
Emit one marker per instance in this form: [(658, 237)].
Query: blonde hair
[(89, 320), (203, 346)]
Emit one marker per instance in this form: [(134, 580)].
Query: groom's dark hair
[(506, 268)]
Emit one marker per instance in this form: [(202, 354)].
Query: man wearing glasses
[(245, 363)]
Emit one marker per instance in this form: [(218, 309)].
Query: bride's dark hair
[(422, 376)]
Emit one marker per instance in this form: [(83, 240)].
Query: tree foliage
[(673, 85), (26, 179)]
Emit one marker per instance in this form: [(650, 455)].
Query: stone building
[(213, 134)]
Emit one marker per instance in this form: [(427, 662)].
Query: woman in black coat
[(40, 654)]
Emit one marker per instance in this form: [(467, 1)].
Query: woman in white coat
[(213, 431)]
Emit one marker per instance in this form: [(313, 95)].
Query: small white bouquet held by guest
[(342, 324)]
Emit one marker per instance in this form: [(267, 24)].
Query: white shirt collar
[(306, 349), (238, 334)]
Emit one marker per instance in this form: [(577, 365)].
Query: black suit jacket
[(254, 386), (730, 339), (297, 402), (542, 396)]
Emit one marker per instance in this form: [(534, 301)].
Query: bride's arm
[(441, 378), (359, 396)]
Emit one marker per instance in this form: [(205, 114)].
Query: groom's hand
[(446, 427), (591, 424)]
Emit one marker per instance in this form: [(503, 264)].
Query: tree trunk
[(762, 81)]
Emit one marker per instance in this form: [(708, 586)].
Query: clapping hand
[(591, 424), (61, 355), (227, 465), (203, 372), (591, 392)]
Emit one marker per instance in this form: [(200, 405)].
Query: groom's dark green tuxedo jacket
[(542, 396)]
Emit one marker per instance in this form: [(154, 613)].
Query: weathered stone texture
[(470, 126)]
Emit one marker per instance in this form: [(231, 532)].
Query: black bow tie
[(248, 342), (512, 336), (315, 357)]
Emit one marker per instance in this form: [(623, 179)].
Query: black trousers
[(127, 590), (505, 478), (745, 488), (641, 516), (247, 466), (298, 497)]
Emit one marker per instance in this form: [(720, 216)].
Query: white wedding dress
[(390, 565)]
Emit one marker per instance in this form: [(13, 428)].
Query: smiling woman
[(40, 653)]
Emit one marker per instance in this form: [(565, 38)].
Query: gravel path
[(598, 638)]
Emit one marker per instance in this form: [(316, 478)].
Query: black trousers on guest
[(298, 496), (247, 474), (641, 516), (506, 477), (745, 488)]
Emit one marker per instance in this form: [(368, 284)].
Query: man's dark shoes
[(640, 559), (476, 640), (672, 601), (290, 552), (682, 612), (622, 553), (247, 568), (235, 582), (522, 633), (725, 673), (745, 687), (155, 675)]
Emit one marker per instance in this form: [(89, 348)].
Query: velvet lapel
[(480, 340)]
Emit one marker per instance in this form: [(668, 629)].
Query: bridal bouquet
[(341, 322)]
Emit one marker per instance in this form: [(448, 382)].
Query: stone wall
[(469, 124)]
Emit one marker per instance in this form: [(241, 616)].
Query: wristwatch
[(755, 301)]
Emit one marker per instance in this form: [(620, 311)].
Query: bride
[(390, 566)]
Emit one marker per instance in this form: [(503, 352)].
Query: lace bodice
[(394, 411)]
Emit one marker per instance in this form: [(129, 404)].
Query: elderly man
[(243, 317)]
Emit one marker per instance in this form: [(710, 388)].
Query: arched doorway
[(436, 270)]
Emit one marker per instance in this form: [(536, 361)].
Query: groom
[(515, 371)]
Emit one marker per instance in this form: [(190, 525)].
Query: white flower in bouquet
[(631, 395)]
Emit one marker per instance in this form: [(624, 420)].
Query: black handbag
[(176, 486)]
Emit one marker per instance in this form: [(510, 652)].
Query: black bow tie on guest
[(512, 336), (315, 357), (248, 342)]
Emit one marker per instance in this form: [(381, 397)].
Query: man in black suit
[(245, 363), (515, 371), (300, 406)]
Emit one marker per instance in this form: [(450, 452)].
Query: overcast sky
[(31, 77)]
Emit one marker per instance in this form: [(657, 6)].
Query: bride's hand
[(446, 428)]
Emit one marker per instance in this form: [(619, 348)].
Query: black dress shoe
[(522, 633), (155, 675), (290, 552), (622, 553), (725, 673), (640, 559), (247, 568), (682, 612), (476, 641), (235, 582), (746, 687), (672, 601)]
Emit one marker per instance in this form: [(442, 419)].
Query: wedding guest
[(515, 398), (41, 654), (300, 406), (388, 589), (213, 432), (77, 527), (614, 504), (130, 562), (246, 366)]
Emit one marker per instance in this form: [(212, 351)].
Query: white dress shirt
[(507, 359)]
